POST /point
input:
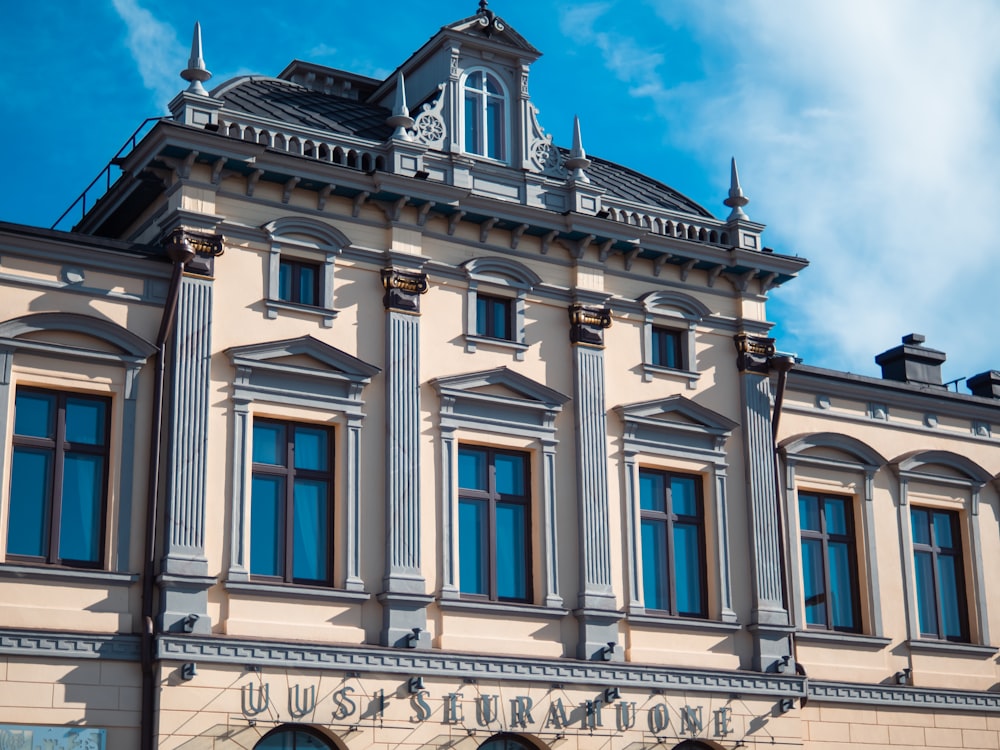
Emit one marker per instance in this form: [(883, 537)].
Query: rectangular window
[(494, 317), (59, 478), (298, 281), (291, 508), (829, 562), (666, 348), (938, 567), (672, 533), (494, 522)]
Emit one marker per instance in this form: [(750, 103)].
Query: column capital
[(753, 353), (587, 324), (403, 289)]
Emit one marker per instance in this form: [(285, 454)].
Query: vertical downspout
[(180, 252), (782, 363)]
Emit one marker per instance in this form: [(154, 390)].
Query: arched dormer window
[(485, 115)]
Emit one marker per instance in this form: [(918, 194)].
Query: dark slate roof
[(295, 104)]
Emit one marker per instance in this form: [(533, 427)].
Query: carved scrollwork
[(429, 127), (544, 156)]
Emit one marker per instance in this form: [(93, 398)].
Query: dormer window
[(485, 115)]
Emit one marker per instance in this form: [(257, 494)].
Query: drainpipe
[(179, 251)]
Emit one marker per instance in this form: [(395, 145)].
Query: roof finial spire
[(400, 118), (483, 4), (736, 200), (196, 72), (577, 161)]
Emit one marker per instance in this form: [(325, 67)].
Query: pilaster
[(770, 624), (597, 612), (404, 600), (184, 579)]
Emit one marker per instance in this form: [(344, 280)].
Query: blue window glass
[(293, 738), (672, 535), (666, 348), (59, 479), (485, 115), (829, 562), (298, 281), (938, 572), (291, 506), (494, 524), (493, 317)]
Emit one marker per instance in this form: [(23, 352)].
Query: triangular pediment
[(486, 25), (680, 411), (301, 354), (502, 384)]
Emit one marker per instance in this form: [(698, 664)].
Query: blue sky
[(867, 133)]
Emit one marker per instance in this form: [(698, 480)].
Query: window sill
[(693, 624), (950, 648), (69, 575), (518, 348), (504, 609), (275, 306), (837, 638), (650, 371), (292, 591)]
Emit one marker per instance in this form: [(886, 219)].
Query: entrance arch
[(295, 737), (507, 741)]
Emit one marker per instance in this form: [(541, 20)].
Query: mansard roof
[(299, 106)]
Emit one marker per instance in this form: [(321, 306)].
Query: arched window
[(507, 742), (485, 112), (293, 738)]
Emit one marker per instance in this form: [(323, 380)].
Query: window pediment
[(303, 367), (941, 466), (833, 450), (498, 398), (675, 425), (46, 328)]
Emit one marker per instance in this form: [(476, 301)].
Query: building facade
[(357, 414)]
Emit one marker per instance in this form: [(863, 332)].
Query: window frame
[(675, 434), (505, 141), (302, 241), (492, 498), (924, 469), (289, 472), (824, 537), (296, 266), (522, 420), (112, 373), (267, 385), (59, 447), (678, 314), (670, 519), (936, 551), (486, 323), (657, 353), (498, 278)]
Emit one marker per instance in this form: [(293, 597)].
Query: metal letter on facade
[(344, 706), (301, 702), (556, 718), (625, 715), (254, 704), (520, 712), (486, 709), (691, 720), (420, 705), (592, 715), (723, 722), (453, 709), (659, 718)]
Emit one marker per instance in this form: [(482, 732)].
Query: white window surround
[(490, 403), (854, 460), (271, 374), (678, 428), (507, 142), (307, 240), (925, 467), (498, 277), (121, 351), (675, 311)]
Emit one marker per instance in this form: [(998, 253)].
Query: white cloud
[(158, 54), (867, 135)]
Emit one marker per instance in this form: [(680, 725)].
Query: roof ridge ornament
[(196, 72), (400, 118), (736, 200), (488, 20), (577, 161)]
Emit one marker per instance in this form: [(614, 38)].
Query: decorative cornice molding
[(396, 661), (41, 643), (903, 697)]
